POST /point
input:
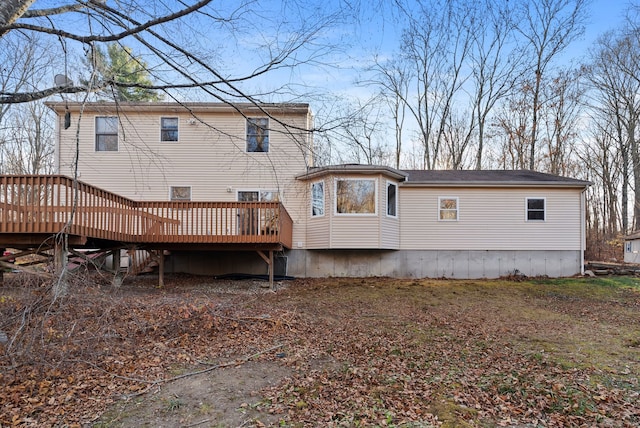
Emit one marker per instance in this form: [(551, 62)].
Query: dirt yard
[(330, 352)]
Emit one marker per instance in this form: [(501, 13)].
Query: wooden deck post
[(160, 255), (61, 287), (269, 261), (271, 269)]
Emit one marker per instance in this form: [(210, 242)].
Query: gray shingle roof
[(495, 177)]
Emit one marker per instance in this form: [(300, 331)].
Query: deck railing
[(48, 204)]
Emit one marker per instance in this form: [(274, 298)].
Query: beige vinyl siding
[(208, 159), (490, 219), (349, 231)]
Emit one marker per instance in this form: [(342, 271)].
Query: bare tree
[(560, 130), (548, 26), (181, 59), (496, 64), (29, 141), (437, 45), (614, 97), (393, 78)]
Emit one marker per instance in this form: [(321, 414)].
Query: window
[(169, 129), (257, 135), (628, 247), (392, 199), (448, 208), (180, 193), (106, 134), (535, 209), (355, 197), (317, 199)]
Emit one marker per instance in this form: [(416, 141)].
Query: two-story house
[(204, 169)]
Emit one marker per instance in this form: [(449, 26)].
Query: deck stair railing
[(48, 204)]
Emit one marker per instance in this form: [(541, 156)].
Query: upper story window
[(354, 196), (392, 199), (106, 134), (448, 208), (180, 193), (317, 199), (169, 129), (258, 134), (536, 209)]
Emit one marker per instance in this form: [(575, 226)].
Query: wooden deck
[(35, 208)]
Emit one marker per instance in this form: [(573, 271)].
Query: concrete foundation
[(462, 264)]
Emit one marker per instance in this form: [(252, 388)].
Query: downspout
[(583, 225)]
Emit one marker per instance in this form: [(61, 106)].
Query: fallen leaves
[(368, 352)]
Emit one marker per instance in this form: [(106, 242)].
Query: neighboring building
[(347, 220), (632, 248)]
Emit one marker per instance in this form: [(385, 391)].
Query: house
[(224, 189), (632, 248)]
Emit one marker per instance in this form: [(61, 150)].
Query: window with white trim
[(169, 129), (180, 193), (355, 196), (392, 199), (317, 199), (257, 134), (106, 133), (536, 208), (447, 208)]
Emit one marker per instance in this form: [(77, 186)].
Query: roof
[(316, 172), (489, 178), (195, 107), (452, 178), (632, 236)]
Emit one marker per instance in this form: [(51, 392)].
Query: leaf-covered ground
[(330, 352)]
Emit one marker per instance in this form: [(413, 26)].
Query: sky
[(378, 34)]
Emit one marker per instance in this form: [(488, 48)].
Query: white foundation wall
[(461, 264)]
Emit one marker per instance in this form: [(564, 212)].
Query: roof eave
[(467, 184), (352, 170)]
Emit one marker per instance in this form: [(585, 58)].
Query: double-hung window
[(317, 199), (258, 134), (169, 129), (536, 208), (448, 208), (106, 134)]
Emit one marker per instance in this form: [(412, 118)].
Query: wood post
[(269, 261), (160, 255), (61, 287)]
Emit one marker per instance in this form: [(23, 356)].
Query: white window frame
[(177, 129), (313, 199), (526, 209), (266, 129), (95, 134), (395, 201), (180, 199), (375, 197), (441, 210)]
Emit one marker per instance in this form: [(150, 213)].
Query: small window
[(180, 193), (628, 247), (355, 197), (392, 199), (448, 208), (257, 135), (106, 134), (169, 129), (317, 199), (535, 209)]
